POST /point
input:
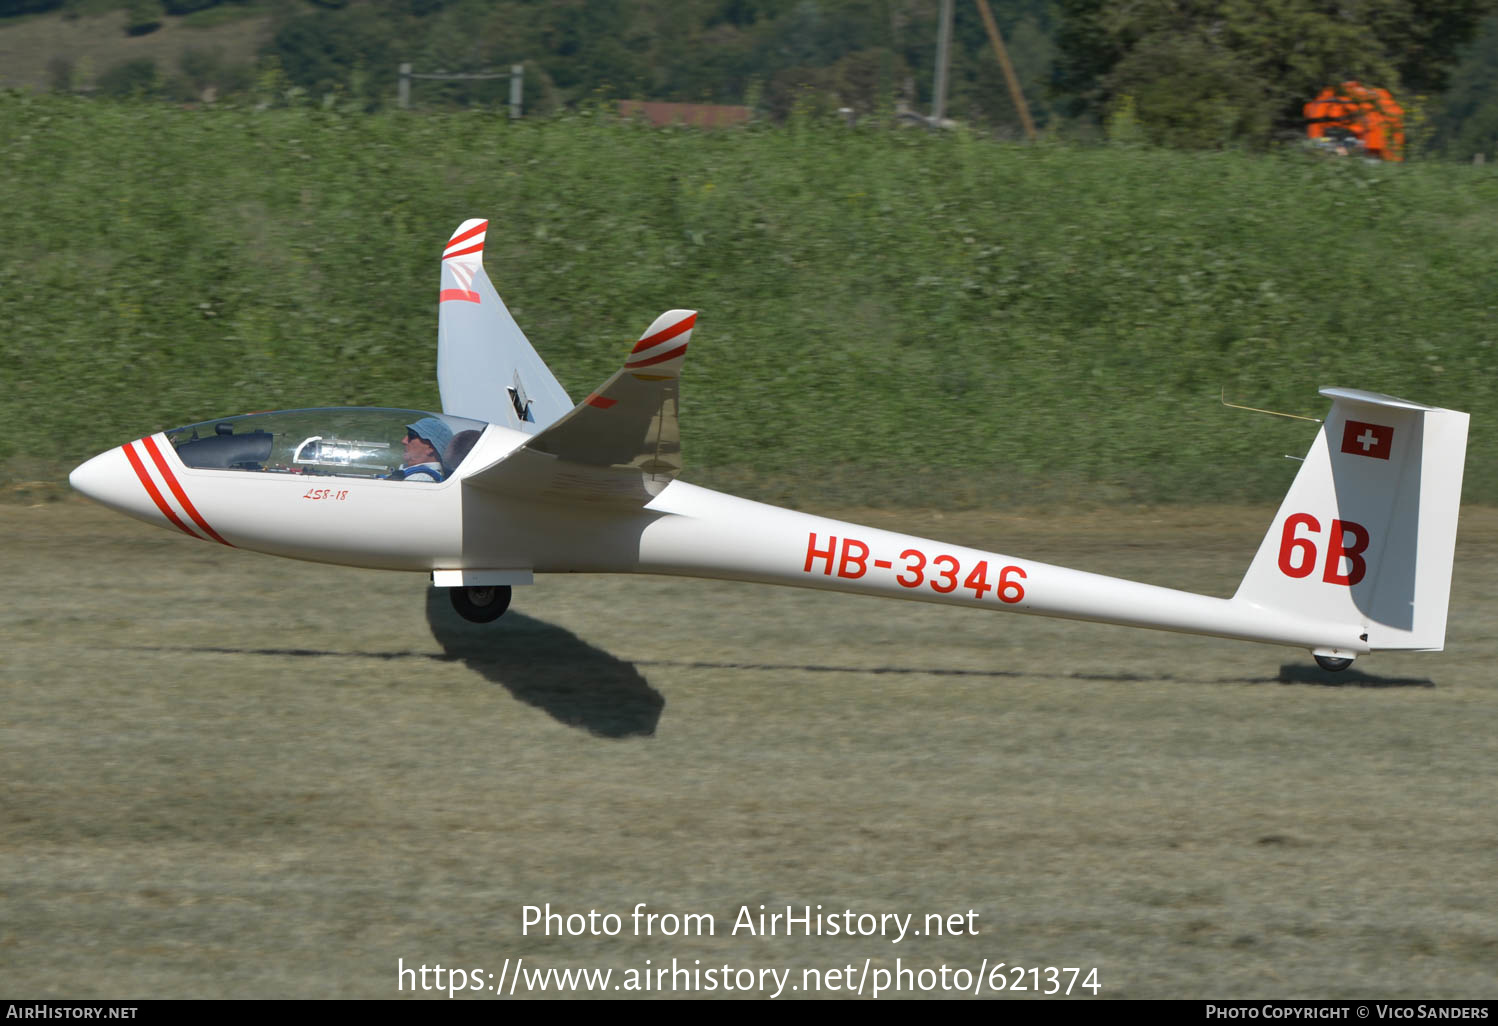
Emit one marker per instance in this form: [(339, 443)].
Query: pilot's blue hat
[(435, 432)]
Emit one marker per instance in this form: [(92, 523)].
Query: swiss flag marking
[(1363, 439)]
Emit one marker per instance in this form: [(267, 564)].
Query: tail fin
[(1368, 529), (486, 369)]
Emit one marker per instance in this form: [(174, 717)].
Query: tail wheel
[(481, 604), (1331, 664)]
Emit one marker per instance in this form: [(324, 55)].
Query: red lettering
[(1289, 544), (1011, 591), (812, 552), (978, 580), (1336, 548), (949, 575), (849, 559), (918, 562)]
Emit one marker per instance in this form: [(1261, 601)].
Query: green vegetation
[(1239, 71), (1185, 73), (1467, 119), (859, 53), (888, 316)]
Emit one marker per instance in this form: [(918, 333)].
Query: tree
[(1467, 122), (322, 51), (9, 8), (1203, 73)]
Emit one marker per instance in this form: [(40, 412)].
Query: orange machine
[(1368, 115)]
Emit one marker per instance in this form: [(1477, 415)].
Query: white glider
[(512, 479)]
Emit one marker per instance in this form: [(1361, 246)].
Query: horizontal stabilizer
[(622, 444)]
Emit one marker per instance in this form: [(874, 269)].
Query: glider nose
[(138, 480), (108, 479)]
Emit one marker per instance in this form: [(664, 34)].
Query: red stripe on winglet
[(673, 354), (171, 482), (600, 402), (470, 233), (153, 491), (463, 294), (462, 252), (684, 324)]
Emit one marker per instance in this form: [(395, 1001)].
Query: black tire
[(1331, 664), (481, 604)]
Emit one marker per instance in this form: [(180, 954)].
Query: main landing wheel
[(482, 604), (1332, 665)]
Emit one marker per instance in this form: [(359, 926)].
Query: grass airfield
[(230, 775)]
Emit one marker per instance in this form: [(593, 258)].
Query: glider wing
[(486, 368)]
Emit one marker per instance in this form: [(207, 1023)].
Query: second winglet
[(662, 349)]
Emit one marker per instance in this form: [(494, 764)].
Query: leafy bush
[(143, 16), (135, 77)]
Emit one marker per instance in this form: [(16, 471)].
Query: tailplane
[(1367, 532), (486, 368)]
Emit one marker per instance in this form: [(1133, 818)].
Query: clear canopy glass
[(343, 441)]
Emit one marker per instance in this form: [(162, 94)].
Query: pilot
[(426, 439)]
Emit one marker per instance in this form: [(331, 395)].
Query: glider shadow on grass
[(1304, 673), (539, 663), (550, 668)]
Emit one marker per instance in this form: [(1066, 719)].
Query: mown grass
[(234, 776), (886, 315)]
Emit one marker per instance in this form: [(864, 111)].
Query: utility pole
[(1010, 78), (943, 58)]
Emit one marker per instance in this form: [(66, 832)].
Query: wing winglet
[(663, 347), (486, 368), (462, 258)]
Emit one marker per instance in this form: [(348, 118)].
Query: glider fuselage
[(513, 479)]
